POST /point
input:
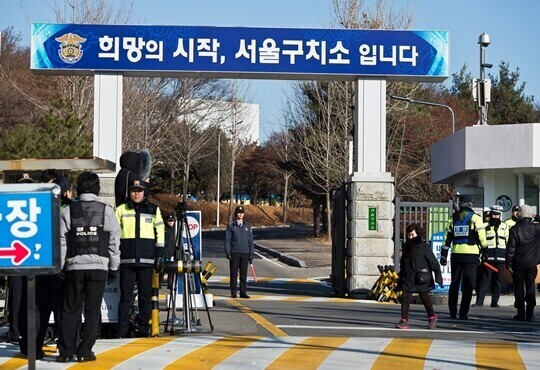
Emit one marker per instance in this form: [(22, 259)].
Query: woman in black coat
[(417, 265)]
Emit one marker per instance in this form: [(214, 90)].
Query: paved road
[(293, 322)]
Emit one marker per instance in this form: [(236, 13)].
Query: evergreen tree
[(509, 104)]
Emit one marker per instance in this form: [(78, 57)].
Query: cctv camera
[(484, 40)]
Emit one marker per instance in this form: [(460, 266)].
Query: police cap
[(23, 178), (239, 209), (136, 184)]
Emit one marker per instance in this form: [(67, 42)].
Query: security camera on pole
[(481, 88)]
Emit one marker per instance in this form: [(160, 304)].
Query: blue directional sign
[(240, 52), (29, 229)]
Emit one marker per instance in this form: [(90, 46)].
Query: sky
[(510, 25)]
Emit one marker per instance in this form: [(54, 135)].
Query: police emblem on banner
[(70, 47)]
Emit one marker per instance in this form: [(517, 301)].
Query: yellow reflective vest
[(466, 234), (143, 234), (496, 242)]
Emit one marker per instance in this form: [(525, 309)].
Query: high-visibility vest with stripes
[(143, 234), (467, 232), (496, 242)]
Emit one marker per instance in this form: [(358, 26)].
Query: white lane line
[(279, 264), (357, 353), (367, 328)]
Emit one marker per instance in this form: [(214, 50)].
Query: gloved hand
[(484, 255), (62, 274), (441, 286), (443, 261), (228, 256), (250, 260), (111, 276), (158, 264)]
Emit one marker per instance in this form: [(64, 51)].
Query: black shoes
[(519, 318), (477, 305), (233, 295), (495, 305), (244, 296), (64, 359), (90, 357), (463, 317), (39, 355)]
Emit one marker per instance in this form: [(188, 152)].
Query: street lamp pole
[(218, 176), (428, 103)]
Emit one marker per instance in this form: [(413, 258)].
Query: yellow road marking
[(212, 354), (114, 356), (341, 300), (496, 355), (19, 361), (294, 299), (308, 354), (406, 352), (274, 330)]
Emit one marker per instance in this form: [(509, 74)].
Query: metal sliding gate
[(433, 217)]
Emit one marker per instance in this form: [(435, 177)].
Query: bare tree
[(281, 144), (79, 90), (192, 112), (238, 130), (320, 141)]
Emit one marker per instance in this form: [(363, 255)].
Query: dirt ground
[(256, 215)]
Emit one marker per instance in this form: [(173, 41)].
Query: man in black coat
[(522, 256)]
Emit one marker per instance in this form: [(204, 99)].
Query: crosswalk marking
[(408, 353), (259, 354), (18, 361), (491, 355), (325, 353), (113, 357), (160, 357), (357, 353), (308, 354), (209, 356)]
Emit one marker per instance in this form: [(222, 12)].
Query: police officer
[(239, 251), (467, 236), (89, 241), (141, 247), (496, 239), (514, 218)]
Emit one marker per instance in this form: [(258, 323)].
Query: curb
[(282, 257)]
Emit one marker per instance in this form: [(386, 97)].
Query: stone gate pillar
[(371, 192)]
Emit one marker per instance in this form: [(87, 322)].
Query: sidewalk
[(302, 251), (298, 251)]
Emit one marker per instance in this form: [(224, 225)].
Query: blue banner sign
[(29, 230), (437, 241), (240, 52)]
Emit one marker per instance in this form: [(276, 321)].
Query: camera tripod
[(186, 269)]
